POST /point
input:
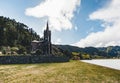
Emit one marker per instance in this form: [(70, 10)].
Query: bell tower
[(47, 40)]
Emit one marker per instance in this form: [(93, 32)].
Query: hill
[(110, 51), (15, 34)]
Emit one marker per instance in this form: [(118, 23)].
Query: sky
[(81, 23)]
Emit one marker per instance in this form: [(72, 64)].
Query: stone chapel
[(44, 44)]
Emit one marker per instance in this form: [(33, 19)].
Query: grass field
[(69, 72)]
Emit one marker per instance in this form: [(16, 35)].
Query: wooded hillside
[(15, 34)]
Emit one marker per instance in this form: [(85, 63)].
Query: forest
[(15, 36)]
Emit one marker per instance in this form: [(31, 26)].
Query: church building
[(44, 44)]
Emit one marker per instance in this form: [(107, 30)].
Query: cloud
[(110, 36), (57, 41), (58, 12)]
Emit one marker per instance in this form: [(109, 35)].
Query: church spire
[(47, 26)]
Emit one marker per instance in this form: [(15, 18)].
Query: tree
[(21, 50), (85, 56), (38, 52)]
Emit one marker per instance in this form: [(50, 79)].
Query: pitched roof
[(35, 41)]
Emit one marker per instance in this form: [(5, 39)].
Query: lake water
[(111, 63)]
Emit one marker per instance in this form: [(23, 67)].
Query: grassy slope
[(70, 72)]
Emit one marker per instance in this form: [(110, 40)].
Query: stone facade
[(44, 44)]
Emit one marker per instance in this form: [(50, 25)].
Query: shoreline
[(110, 63)]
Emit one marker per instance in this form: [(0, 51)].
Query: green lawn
[(69, 72)]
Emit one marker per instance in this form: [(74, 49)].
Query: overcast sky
[(74, 22)]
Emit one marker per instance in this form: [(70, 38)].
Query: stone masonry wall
[(31, 59)]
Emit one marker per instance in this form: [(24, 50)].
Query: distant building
[(44, 44)]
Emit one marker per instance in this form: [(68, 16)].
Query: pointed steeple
[(47, 28)]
